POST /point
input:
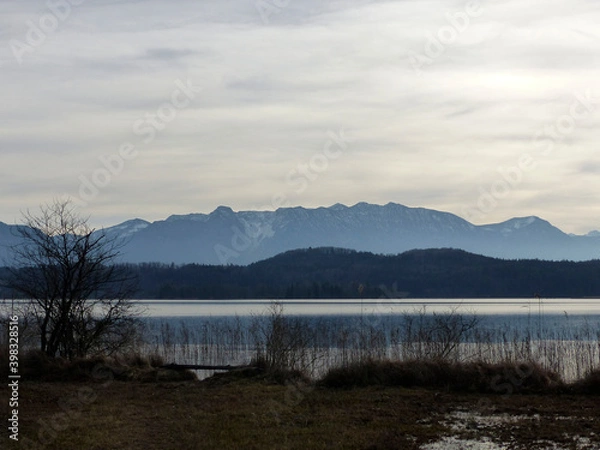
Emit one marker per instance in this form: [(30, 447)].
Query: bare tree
[(78, 295)]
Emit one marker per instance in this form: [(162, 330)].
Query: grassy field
[(431, 395), (228, 412)]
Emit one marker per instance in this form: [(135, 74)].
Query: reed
[(313, 345)]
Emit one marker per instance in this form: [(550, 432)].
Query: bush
[(137, 360), (505, 378), (590, 384), (259, 370), (36, 365)]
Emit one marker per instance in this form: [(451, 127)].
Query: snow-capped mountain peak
[(227, 237), (127, 228)]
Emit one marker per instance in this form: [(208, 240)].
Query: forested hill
[(340, 273)]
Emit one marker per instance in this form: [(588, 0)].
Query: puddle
[(461, 421), (454, 443)]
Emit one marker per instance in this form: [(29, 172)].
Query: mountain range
[(226, 237)]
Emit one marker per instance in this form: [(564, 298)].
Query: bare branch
[(67, 270)]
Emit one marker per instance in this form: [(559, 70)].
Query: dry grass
[(35, 365), (249, 413), (314, 345), (478, 377), (590, 384), (129, 402)]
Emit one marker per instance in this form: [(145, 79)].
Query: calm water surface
[(348, 307)]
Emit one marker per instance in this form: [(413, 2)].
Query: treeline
[(340, 273)]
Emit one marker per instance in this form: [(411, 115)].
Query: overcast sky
[(147, 108)]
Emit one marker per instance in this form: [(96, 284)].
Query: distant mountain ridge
[(228, 237)]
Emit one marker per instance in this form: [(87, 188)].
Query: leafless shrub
[(283, 342), (436, 336)]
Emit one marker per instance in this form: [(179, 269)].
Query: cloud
[(276, 82), (588, 167), (168, 54)]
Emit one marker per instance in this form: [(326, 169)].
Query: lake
[(560, 334), (344, 307)]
